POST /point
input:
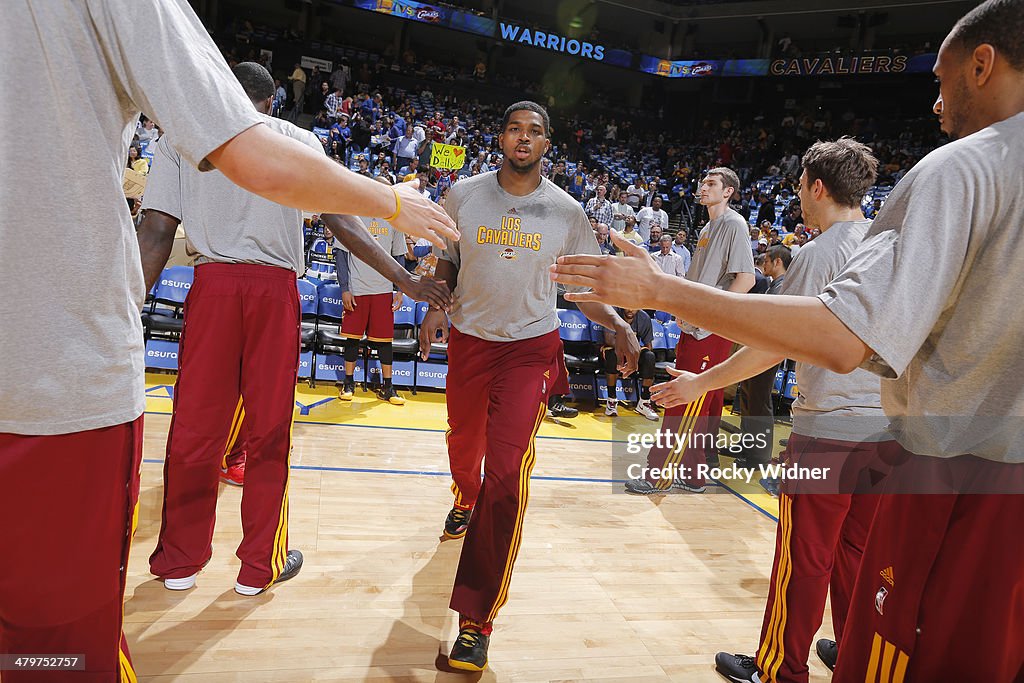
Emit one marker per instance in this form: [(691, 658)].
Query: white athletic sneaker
[(611, 408), (645, 408), (182, 584)]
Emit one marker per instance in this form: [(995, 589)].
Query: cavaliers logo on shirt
[(510, 234), (376, 229), (509, 254)]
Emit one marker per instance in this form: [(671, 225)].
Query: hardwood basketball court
[(608, 586)]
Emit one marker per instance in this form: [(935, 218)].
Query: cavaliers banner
[(431, 14), (815, 65)]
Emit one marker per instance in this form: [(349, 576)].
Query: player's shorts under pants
[(372, 316), (497, 398), (240, 346), (940, 593), (68, 505), (819, 543)]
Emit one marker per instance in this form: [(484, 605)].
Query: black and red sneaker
[(470, 650), (457, 522)]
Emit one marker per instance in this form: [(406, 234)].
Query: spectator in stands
[(558, 175), (409, 171), (603, 239), (620, 210), (653, 190), (766, 211), (384, 171), (148, 132), (406, 148), (364, 166), (794, 216), (332, 104), (873, 210), (630, 232), (668, 260), (341, 135), (137, 163), (599, 207), (650, 216), (341, 76), (654, 243), (636, 194), (314, 94), (761, 281), (640, 322), (679, 246), (578, 182), (280, 97)]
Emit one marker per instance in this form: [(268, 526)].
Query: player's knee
[(646, 363), (385, 352), (351, 347)]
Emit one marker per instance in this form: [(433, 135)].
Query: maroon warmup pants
[(497, 398), (940, 593), (699, 419), (234, 452), (240, 346), (68, 506), (560, 375), (818, 547)]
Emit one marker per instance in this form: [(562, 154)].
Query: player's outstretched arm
[(776, 323), (687, 387), (288, 172), (156, 239), (353, 234)]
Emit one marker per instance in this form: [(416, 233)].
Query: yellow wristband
[(398, 205)]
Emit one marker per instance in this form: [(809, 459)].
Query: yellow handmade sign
[(448, 157)]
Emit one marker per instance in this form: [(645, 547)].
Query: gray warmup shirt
[(934, 290), (224, 223), (504, 290), (71, 349), (830, 405), (362, 279)]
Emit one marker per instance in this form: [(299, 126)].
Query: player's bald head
[(255, 79)]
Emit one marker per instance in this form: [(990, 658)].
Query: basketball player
[(351, 234), (86, 424), (938, 596), (723, 260), (502, 355), (370, 301), (837, 423)]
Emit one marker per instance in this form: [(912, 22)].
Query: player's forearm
[(447, 271), (602, 314), (356, 238), (743, 364), (288, 172), (797, 327), (156, 239)]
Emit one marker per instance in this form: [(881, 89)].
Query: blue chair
[(662, 316), (577, 338), (406, 343), (170, 291), (438, 350), (329, 312)]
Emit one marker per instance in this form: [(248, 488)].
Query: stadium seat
[(577, 338), (170, 291), (438, 350)]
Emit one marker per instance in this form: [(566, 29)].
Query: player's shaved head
[(255, 79), (999, 23)]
